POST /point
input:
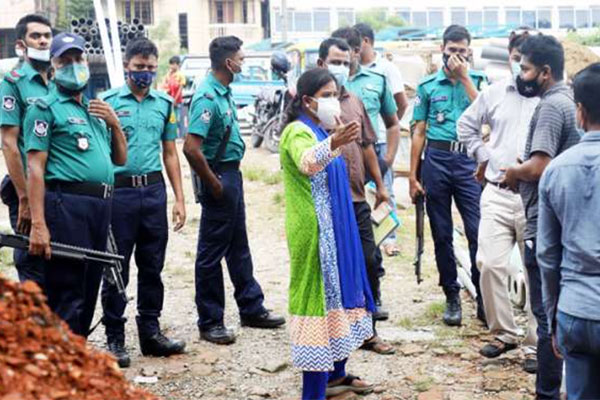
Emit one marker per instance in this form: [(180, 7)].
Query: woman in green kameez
[(329, 301)]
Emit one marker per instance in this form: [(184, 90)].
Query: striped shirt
[(553, 129)]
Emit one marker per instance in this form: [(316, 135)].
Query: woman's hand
[(344, 133)]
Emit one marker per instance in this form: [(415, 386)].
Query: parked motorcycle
[(269, 107)]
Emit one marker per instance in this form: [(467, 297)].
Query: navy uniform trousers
[(223, 235), (139, 220), (28, 267), (449, 175), (72, 286)]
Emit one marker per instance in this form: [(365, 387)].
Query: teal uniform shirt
[(212, 110), (146, 125), (21, 88), (371, 88), (440, 103), (78, 145)]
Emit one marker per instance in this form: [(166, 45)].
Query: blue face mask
[(73, 76), (142, 79)]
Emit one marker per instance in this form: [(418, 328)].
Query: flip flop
[(375, 345), (346, 386), (391, 250)]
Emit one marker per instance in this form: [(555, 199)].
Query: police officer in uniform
[(139, 213), (371, 88), (447, 171), (19, 89), (71, 145), (214, 149)]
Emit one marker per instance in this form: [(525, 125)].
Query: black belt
[(497, 184), (227, 166), (455, 147), (138, 181), (99, 190)]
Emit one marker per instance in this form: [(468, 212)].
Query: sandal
[(347, 385), (379, 346), (391, 250)]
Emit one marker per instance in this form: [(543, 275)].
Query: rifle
[(420, 211), (59, 250)]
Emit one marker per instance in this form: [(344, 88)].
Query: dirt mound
[(577, 57), (41, 359)]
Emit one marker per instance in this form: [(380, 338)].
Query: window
[(419, 19), (321, 20), (302, 21), (183, 31), (583, 18), (529, 18), (345, 17), (436, 18), (475, 18), (404, 14), (7, 43), (544, 18), (458, 16), (513, 17), (490, 17), (139, 9), (221, 12), (595, 16), (566, 17)]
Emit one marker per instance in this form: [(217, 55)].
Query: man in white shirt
[(502, 214), (387, 142)]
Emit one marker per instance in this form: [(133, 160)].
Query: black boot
[(481, 311), (159, 345), (117, 349), (453, 312)]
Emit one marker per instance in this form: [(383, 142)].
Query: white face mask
[(19, 52), (328, 108), (340, 72), (39, 55), (515, 69)]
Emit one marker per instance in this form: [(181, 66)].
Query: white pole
[(116, 42), (108, 54)]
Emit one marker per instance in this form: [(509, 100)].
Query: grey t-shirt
[(553, 129)]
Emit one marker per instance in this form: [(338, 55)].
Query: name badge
[(77, 121), (123, 113), (437, 99), (32, 100)]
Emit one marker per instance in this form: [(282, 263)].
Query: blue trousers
[(28, 266), (447, 176), (549, 373), (579, 342), (223, 235), (72, 286), (139, 221), (314, 384)]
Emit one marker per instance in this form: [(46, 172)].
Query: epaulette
[(13, 76), (370, 71), (45, 102), (208, 96), (427, 79), (165, 96), (479, 74), (109, 93)]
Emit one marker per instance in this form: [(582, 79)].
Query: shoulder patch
[(206, 116), (173, 118), (8, 103), (40, 128)]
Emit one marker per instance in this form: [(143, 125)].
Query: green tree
[(592, 39), (378, 19)]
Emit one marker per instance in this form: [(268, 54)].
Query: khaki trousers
[(502, 226)]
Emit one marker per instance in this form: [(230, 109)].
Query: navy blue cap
[(66, 41)]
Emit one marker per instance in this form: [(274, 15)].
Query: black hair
[(586, 87), (515, 40), (329, 43), (456, 33), (543, 50), (142, 46), (21, 28), (351, 35), (309, 83), (223, 48), (366, 31), (175, 60)]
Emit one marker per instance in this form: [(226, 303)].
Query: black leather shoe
[(117, 349), (453, 312), (530, 365), (496, 348), (481, 312), (381, 314), (266, 320), (161, 346), (218, 334)]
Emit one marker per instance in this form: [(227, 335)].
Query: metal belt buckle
[(139, 181), (454, 146), (108, 190)]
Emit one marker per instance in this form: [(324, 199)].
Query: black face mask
[(445, 59), (530, 88)]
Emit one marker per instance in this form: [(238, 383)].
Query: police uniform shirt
[(78, 145), (440, 103), (212, 110), (146, 124), (372, 89), (20, 89)]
